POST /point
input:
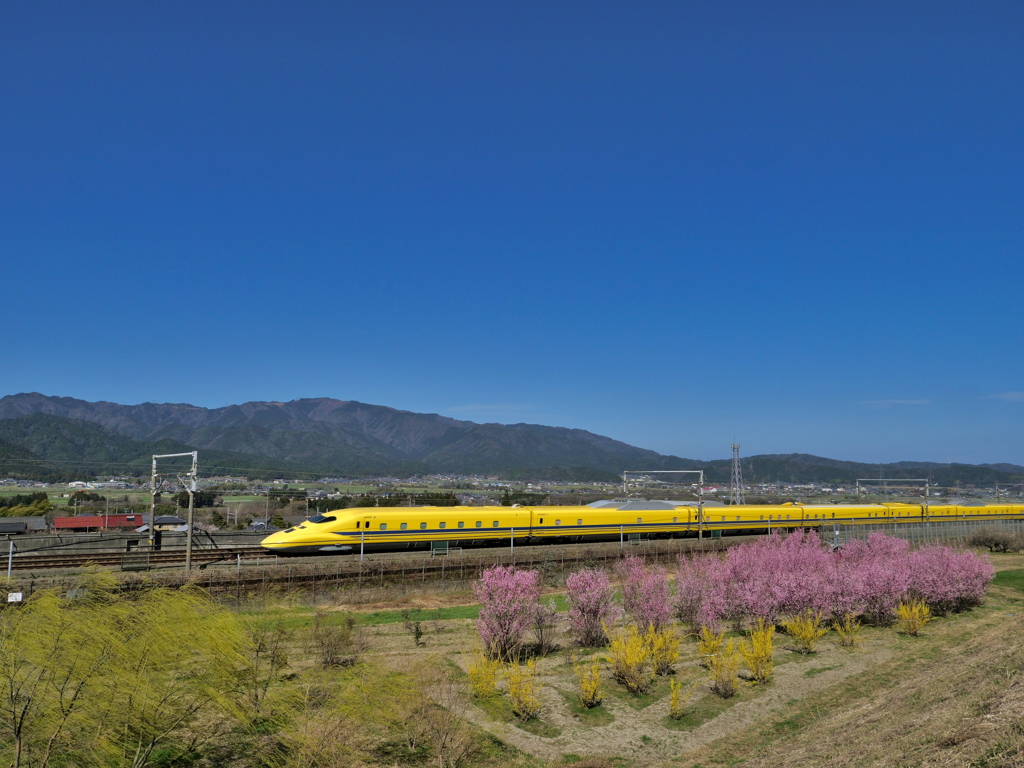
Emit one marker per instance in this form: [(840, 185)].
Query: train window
[(762, 517), (541, 521), (787, 517), (383, 526), (442, 525), (479, 524), (423, 526), (558, 522), (737, 518), (357, 523), (675, 519), (462, 524), (579, 522), (639, 519), (494, 524), (404, 526), (323, 519)]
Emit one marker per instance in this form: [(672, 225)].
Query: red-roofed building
[(86, 523)]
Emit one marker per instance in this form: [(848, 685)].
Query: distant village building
[(90, 523), (169, 523), (22, 525)]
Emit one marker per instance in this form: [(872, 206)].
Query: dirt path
[(636, 734)]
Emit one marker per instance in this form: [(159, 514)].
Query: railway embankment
[(251, 573)]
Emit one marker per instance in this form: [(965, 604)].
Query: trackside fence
[(918, 534)]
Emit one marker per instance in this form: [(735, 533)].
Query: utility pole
[(736, 493), (190, 486)]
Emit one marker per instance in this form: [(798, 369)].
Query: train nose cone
[(280, 537)]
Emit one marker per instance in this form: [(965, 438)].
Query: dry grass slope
[(953, 697)]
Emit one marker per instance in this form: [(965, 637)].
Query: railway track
[(29, 562)]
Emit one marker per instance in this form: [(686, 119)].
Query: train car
[(381, 529)]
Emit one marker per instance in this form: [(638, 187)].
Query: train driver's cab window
[(462, 524), (423, 526), (323, 519), (383, 526), (404, 526), (442, 525), (479, 524)]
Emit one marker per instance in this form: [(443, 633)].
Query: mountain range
[(50, 437)]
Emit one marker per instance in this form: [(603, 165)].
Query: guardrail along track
[(29, 562)]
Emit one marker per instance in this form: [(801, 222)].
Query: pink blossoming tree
[(646, 593), (509, 604), (592, 606)]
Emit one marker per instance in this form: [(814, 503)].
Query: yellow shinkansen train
[(381, 529)]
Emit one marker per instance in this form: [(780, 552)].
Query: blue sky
[(796, 225)]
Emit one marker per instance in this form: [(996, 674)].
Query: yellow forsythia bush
[(758, 654), (912, 616), (708, 644), (631, 660), (588, 678), (847, 628), (723, 668), (805, 629), (522, 689), (483, 675), (663, 645)]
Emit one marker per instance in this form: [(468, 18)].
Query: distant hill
[(321, 436)]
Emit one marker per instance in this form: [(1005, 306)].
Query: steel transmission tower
[(736, 494)]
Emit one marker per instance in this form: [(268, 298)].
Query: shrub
[(847, 627), (805, 629), (335, 644), (414, 628), (723, 668), (996, 539), (483, 675), (631, 661), (591, 599), (758, 654), (663, 646), (588, 678), (508, 608), (679, 698), (544, 628), (912, 616), (709, 643), (522, 689), (646, 594)]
